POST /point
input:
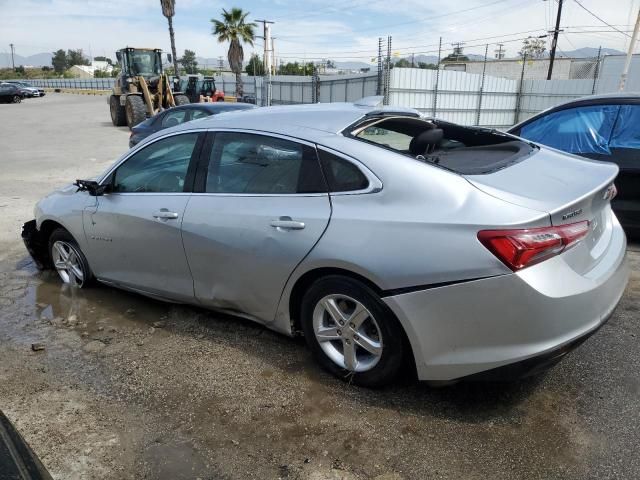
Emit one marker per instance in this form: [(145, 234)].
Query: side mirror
[(119, 56), (169, 58), (91, 186)]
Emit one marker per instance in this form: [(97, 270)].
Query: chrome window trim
[(375, 184), (261, 195), (142, 146), (263, 133)]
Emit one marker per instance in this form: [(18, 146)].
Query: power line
[(596, 16)]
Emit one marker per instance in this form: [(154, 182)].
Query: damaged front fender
[(36, 245)]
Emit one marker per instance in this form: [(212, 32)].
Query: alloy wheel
[(347, 333), (67, 262)]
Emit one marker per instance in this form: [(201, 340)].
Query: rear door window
[(171, 119), (195, 114), (259, 164), (580, 130)]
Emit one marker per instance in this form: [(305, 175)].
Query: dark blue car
[(599, 127), (177, 115)]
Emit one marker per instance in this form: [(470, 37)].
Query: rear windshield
[(464, 150)]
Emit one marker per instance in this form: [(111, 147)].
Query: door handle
[(285, 223), (164, 214)]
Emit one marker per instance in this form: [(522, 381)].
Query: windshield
[(144, 62)]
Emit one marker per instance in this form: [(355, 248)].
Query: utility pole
[(554, 42), (379, 88), (499, 51), (632, 46), (267, 57), (412, 60), (13, 63), (457, 50)]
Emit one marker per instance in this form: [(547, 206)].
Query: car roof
[(601, 99), (216, 106), (321, 117)]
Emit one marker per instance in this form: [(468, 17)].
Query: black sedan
[(28, 89), (601, 127), (10, 93), (177, 115)]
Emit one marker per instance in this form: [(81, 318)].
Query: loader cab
[(143, 62)]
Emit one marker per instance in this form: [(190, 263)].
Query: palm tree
[(234, 29), (169, 10)]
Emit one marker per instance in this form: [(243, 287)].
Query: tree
[(169, 10), (330, 64), (403, 63), (59, 61), (76, 57), (295, 69), (532, 47), (255, 67), (188, 61), (427, 66), (234, 29)]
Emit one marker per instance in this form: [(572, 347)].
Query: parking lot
[(129, 388)]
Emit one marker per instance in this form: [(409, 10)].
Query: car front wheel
[(68, 259), (351, 332)]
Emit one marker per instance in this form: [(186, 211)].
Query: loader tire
[(181, 99), (135, 110), (118, 116)]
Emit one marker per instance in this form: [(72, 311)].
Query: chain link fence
[(490, 93)]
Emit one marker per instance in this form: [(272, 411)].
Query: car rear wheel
[(351, 332), (68, 260), (17, 99)]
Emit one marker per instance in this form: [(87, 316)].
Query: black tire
[(181, 99), (135, 110), (390, 362), (118, 115), (17, 99), (61, 235)]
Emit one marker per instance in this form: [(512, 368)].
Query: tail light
[(518, 249)]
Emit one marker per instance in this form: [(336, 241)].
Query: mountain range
[(44, 59)]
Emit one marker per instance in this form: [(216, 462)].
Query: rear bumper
[(36, 245), (523, 320)]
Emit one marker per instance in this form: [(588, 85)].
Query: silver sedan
[(392, 242)]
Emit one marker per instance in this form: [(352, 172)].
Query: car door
[(260, 206), (133, 231), (625, 152)]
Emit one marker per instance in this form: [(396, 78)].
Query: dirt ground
[(131, 388)]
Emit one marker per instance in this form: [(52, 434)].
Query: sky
[(342, 30)]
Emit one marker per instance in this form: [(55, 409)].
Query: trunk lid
[(570, 189)]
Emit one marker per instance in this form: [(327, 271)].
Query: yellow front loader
[(142, 89)]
